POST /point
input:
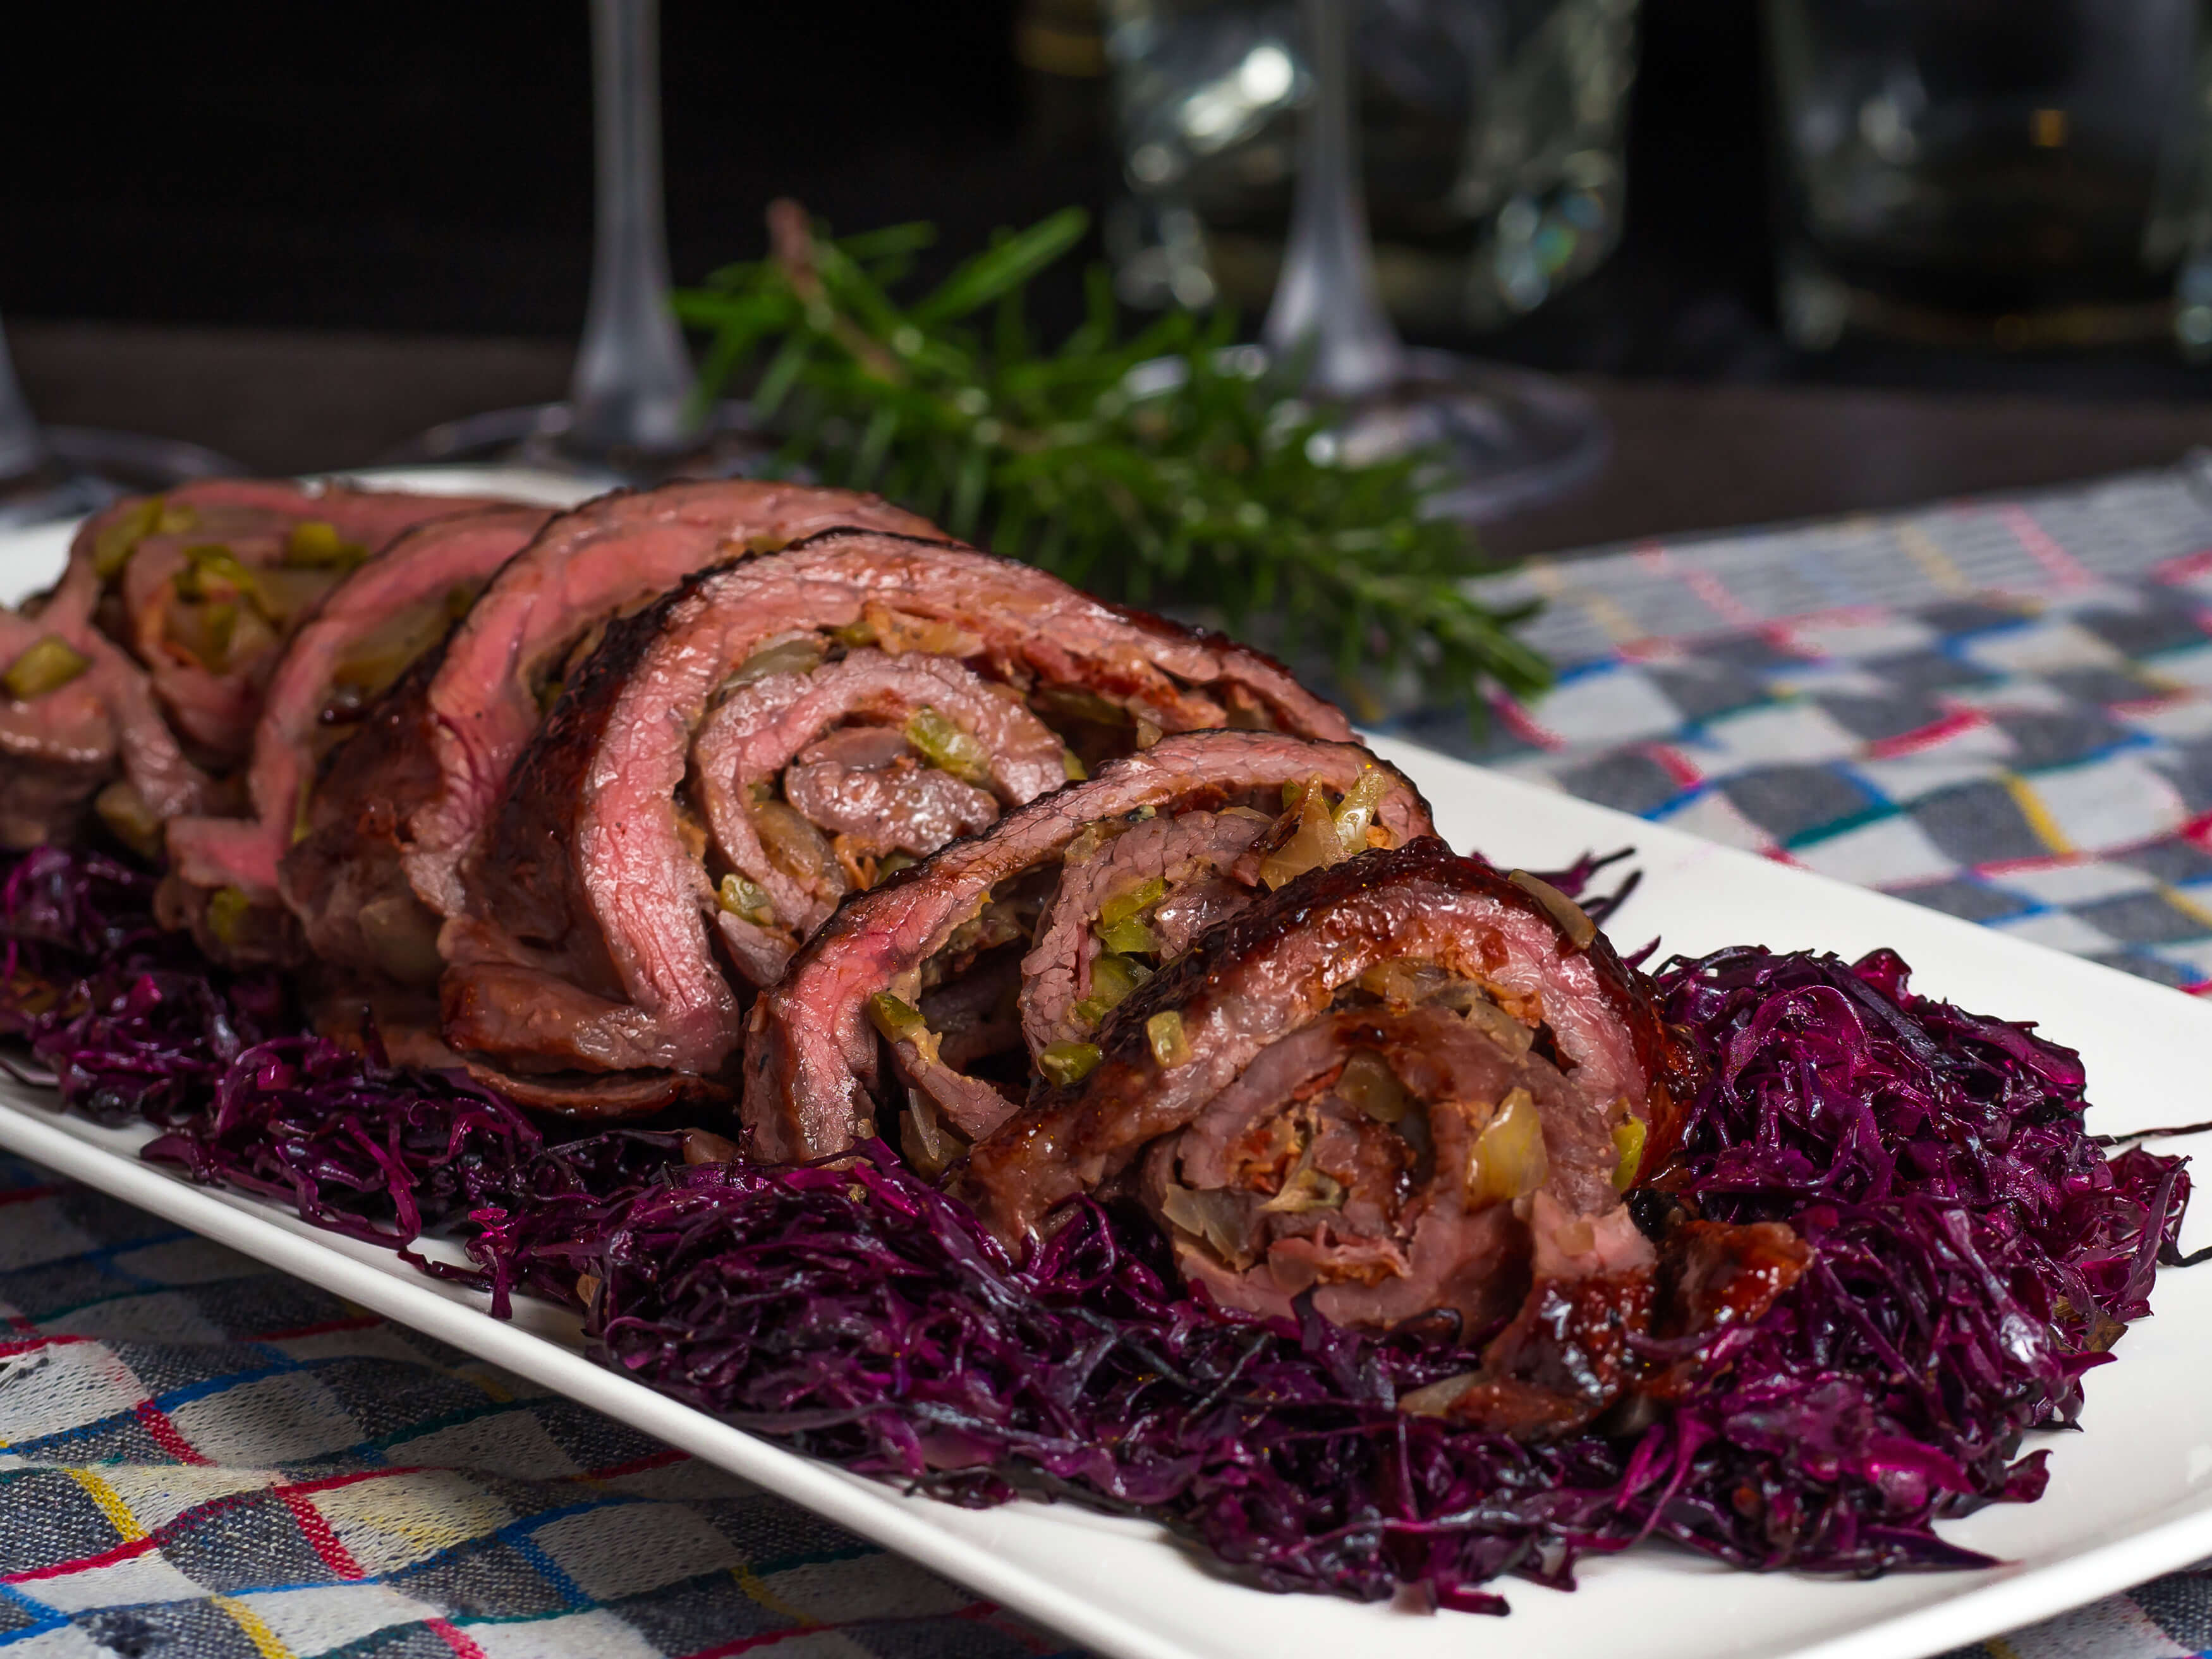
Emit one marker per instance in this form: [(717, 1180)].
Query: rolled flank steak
[(775, 734), (1409, 1086), (375, 871), (1002, 957), (360, 638)]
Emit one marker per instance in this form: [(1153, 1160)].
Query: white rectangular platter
[(2129, 1498)]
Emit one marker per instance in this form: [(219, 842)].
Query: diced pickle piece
[(1068, 1062), (227, 908), (112, 547), (1170, 1045), (1122, 906), (1112, 979), (127, 816), (1628, 1143), (899, 1021), (315, 544), (1508, 1160), (1129, 938), (800, 655), (948, 748), (46, 665), (746, 899)]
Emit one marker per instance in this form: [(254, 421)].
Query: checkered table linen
[(1998, 708), (204, 1458)]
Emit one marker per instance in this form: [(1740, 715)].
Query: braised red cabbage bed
[(1974, 1252)]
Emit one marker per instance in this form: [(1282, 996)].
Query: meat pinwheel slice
[(664, 808), (378, 869), (361, 636), (82, 635), (538, 622), (58, 737), (1408, 1084), (1006, 952), (203, 586)]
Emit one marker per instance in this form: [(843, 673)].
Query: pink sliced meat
[(1294, 957), (56, 750), (214, 708), (375, 875), (1190, 855), (393, 606), (865, 782), (607, 557), (813, 1075), (1406, 1086), (590, 874)]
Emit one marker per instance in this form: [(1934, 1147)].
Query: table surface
[(1686, 456)]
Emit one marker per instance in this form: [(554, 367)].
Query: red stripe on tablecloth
[(657, 1459), (1927, 736), (157, 1424), (454, 1638), (317, 1531), (2040, 545), (359, 1322), (107, 1558), (1677, 765), (2182, 569)]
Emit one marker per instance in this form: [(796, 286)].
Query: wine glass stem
[(1326, 307), (633, 381), (22, 445)]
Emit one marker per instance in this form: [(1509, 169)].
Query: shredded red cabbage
[(1975, 1254)]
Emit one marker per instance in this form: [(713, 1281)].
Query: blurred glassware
[(66, 471), (628, 417), (1506, 438), (1491, 129), (2020, 174)]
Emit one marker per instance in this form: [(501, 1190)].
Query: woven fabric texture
[(2002, 709), (208, 1459)]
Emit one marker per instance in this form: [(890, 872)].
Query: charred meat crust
[(811, 1068), (1074, 1137)]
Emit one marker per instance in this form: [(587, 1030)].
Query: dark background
[(424, 167)]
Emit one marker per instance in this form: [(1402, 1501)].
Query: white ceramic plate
[(2129, 1499)]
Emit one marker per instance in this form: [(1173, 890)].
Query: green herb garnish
[(1153, 467)]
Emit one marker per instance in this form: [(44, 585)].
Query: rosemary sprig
[(1154, 467)]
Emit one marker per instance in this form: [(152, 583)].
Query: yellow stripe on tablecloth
[(111, 1504), (2036, 814), (1935, 563), (255, 1626), (1612, 616), (752, 1583), (2188, 906)]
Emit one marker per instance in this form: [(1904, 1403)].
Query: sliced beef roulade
[(203, 586), (361, 636), (1009, 951), (378, 869), (1408, 1084), (730, 762), (119, 595)]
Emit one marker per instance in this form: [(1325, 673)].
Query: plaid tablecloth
[(2002, 709)]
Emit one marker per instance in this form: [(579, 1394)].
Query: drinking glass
[(1490, 132), (2014, 174), (1504, 439), (61, 472), (628, 416)]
